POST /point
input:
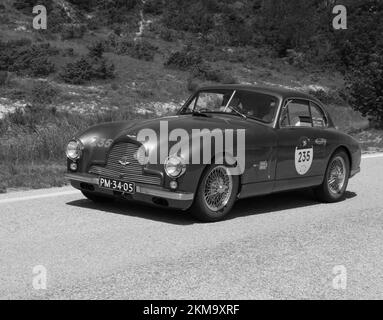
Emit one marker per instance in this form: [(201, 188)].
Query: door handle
[(321, 141)]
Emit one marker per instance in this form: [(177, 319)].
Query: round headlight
[(174, 166), (74, 149)]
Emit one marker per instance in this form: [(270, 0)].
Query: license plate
[(117, 185)]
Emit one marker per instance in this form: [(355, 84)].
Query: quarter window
[(319, 119), (296, 113)]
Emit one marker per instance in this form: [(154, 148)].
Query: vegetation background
[(106, 60)]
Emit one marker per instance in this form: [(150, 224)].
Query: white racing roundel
[(304, 155)]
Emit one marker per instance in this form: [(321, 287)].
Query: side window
[(296, 113), (319, 118)]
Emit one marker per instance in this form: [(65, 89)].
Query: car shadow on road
[(246, 207), (277, 202)]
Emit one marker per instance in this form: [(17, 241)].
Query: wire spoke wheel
[(337, 175), (218, 188)]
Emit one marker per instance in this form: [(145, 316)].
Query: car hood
[(129, 131)]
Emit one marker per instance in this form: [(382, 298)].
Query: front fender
[(97, 141)]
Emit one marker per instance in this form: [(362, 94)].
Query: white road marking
[(40, 196), (373, 155)]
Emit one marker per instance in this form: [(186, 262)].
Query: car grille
[(132, 172)]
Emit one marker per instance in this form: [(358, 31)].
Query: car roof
[(279, 91)]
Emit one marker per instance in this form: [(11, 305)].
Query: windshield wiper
[(238, 112)]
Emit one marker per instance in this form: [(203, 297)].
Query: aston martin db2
[(225, 143)]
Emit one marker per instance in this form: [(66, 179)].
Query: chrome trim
[(289, 99), (183, 196), (82, 178), (321, 141), (165, 194)]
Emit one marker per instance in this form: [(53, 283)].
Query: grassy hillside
[(84, 70)]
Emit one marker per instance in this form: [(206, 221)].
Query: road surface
[(279, 246)]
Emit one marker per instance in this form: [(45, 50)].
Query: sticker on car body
[(304, 155)]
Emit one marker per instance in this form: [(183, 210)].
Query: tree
[(365, 86)]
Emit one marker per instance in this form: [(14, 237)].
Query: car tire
[(212, 208), (96, 197), (333, 188)]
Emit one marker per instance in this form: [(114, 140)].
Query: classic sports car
[(255, 141)]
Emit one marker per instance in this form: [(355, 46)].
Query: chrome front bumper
[(140, 188)]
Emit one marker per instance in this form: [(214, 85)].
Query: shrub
[(192, 16), (143, 50), (42, 93), (365, 88), (72, 31), (206, 72), (97, 49), (21, 57), (185, 59), (154, 7), (115, 11), (140, 49), (87, 68), (167, 34), (77, 72), (41, 66)]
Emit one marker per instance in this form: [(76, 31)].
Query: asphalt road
[(279, 246)]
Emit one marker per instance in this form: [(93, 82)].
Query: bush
[(97, 49), (185, 59), (167, 34), (41, 67), (192, 16), (72, 31), (91, 66), (42, 93), (206, 72), (365, 88), (143, 50), (115, 11), (140, 49), (21, 57), (88, 67), (154, 7)]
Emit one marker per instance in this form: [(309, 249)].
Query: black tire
[(200, 208), (96, 197), (325, 192)]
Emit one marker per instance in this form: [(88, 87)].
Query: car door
[(301, 147)]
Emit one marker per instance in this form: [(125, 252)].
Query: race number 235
[(304, 156)]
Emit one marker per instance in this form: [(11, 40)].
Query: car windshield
[(251, 104)]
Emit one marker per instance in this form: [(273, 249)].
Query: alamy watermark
[(339, 282), (39, 279), (221, 146), (340, 20), (40, 20)]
